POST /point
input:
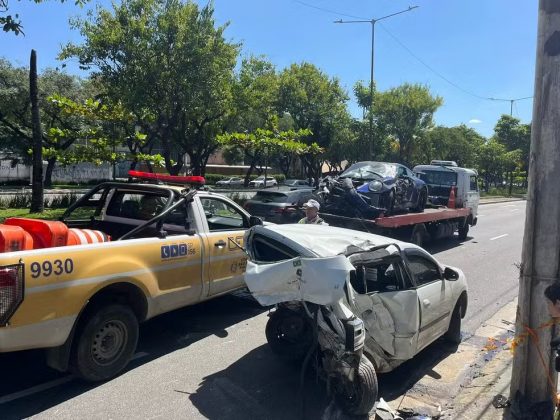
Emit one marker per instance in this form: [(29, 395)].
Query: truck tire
[(463, 230), (419, 234), (289, 334), (359, 398), (105, 342)]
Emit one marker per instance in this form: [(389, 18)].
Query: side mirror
[(255, 221), (450, 274)]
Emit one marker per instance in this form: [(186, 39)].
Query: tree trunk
[(510, 183), (37, 203), (48, 174)]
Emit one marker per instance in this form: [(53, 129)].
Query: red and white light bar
[(174, 179)]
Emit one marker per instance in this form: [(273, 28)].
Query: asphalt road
[(212, 361)]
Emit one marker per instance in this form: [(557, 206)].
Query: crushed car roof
[(324, 240)]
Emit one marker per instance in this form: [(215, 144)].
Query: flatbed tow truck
[(433, 223)]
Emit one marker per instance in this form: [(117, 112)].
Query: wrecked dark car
[(330, 283), (367, 189)]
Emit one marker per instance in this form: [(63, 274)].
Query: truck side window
[(474, 183), (423, 270), (221, 215)]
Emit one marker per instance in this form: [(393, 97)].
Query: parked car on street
[(230, 182), (296, 183), (259, 182), (391, 186), (284, 206), (404, 296)]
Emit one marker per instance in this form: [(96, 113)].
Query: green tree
[(258, 145), (461, 144), (491, 163), (11, 23), (406, 113), (16, 137), (514, 135), (170, 65), (315, 102)]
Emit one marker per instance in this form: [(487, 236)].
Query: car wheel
[(422, 200), (391, 202), (359, 396), (105, 343), (289, 334), (453, 334)]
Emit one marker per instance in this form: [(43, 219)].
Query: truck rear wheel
[(105, 343), (463, 230)]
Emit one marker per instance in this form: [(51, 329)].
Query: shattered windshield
[(370, 170)]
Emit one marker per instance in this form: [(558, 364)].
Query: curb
[(449, 391), (500, 200)]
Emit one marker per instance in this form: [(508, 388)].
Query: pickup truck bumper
[(51, 333)]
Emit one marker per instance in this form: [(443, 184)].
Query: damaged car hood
[(320, 240)]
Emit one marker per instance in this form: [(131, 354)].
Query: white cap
[(312, 203)]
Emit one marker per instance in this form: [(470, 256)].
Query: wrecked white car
[(405, 298)]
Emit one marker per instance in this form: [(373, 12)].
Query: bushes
[(23, 200)]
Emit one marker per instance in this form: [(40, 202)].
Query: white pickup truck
[(124, 253)]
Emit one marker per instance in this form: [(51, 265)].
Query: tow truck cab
[(441, 176)]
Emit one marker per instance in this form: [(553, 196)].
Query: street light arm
[(353, 21), (398, 13)]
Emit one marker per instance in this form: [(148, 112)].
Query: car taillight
[(11, 291)]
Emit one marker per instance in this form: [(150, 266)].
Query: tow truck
[(123, 253), (459, 211)]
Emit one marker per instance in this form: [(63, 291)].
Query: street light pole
[(373, 22)]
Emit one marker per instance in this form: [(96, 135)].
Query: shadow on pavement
[(158, 337)]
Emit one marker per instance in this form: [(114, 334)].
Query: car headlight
[(375, 186)]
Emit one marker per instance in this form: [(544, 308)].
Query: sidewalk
[(463, 385), (494, 200)]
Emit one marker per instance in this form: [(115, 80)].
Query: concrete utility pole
[(373, 22), (534, 379)]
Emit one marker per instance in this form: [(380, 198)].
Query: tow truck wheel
[(105, 343), (289, 335), (359, 396), (422, 200), (463, 231)]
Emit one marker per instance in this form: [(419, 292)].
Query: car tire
[(105, 342), (422, 200), (391, 202), (453, 334), (359, 399), (289, 334)]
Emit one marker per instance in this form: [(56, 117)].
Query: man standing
[(312, 213)]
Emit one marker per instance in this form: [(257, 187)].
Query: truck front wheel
[(105, 342)]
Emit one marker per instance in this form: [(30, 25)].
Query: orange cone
[(451, 201)]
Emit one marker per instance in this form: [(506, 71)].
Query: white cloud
[(474, 121)]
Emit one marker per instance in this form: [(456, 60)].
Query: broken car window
[(423, 270)]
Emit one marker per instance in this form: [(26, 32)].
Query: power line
[(437, 73), (328, 10), (398, 41)]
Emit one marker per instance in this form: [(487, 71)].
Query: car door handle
[(426, 303), (220, 244)]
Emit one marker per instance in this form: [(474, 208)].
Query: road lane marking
[(35, 389), (498, 237), (51, 384)]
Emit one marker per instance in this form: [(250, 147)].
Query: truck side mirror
[(255, 221)]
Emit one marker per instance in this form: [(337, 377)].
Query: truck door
[(226, 262), (473, 195), (434, 297)]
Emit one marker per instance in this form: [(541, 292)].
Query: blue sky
[(486, 47)]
